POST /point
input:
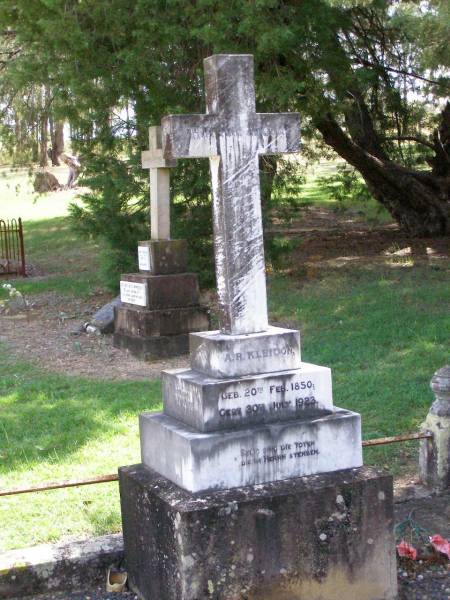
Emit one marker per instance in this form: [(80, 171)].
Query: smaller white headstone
[(144, 258), (159, 185), (133, 293)]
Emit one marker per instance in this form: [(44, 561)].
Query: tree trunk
[(57, 142), (43, 122), (418, 200)]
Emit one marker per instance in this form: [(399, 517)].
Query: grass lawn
[(71, 263), (382, 331)]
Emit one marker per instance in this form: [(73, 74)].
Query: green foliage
[(192, 216), (111, 69), (113, 211), (83, 428), (348, 189), (345, 186)]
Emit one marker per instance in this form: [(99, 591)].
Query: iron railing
[(55, 485), (12, 250)]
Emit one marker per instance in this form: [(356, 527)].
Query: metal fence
[(55, 485), (12, 251)]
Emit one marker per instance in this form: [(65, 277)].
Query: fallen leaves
[(440, 544), (405, 550)]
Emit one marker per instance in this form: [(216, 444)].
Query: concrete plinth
[(324, 537), (210, 404), (198, 461), (152, 348), (134, 321), (216, 354)]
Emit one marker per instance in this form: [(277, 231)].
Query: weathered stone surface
[(44, 181), (154, 160), (233, 136), (220, 355), (210, 404), (163, 291), (103, 319), (134, 292), (324, 537), (434, 458), (152, 348), (171, 321), (28, 572), (263, 453), (163, 257)]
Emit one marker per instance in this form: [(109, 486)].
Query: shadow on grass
[(66, 263), (382, 333), (48, 417)]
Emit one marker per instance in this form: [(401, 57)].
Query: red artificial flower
[(406, 550), (440, 544)]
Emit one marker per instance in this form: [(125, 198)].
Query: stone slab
[(163, 257), (199, 461), (134, 292), (220, 355), (209, 404), (73, 565), (103, 319), (233, 136), (145, 323), (327, 537), (152, 348), (160, 291)]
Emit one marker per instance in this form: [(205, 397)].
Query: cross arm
[(278, 132), (152, 159), (189, 136)]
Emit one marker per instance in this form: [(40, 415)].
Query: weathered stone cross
[(232, 134), (154, 160)]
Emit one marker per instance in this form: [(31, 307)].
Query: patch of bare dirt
[(328, 239), (44, 335)]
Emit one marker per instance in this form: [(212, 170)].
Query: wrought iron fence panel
[(12, 252)]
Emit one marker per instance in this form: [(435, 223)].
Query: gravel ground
[(96, 594), (428, 584)]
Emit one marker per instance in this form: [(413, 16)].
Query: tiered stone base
[(160, 304), (153, 334), (198, 461), (324, 537), (153, 348)]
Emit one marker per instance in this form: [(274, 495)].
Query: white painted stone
[(154, 160), (221, 460), (144, 258), (210, 404), (217, 354), (134, 293), (233, 135)]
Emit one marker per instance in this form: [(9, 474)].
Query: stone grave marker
[(251, 483), (160, 304)]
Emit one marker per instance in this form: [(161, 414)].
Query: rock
[(103, 320), (44, 181)]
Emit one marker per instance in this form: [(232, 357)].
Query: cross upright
[(154, 160), (233, 135)]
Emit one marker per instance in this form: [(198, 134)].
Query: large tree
[(369, 75)]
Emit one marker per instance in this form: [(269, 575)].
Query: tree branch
[(413, 74), (409, 138)]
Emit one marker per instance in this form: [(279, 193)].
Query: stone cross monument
[(159, 167), (160, 304), (233, 135), (221, 506)]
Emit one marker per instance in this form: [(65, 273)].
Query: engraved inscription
[(258, 354), (280, 453), (133, 293), (144, 257), (290, 396)]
